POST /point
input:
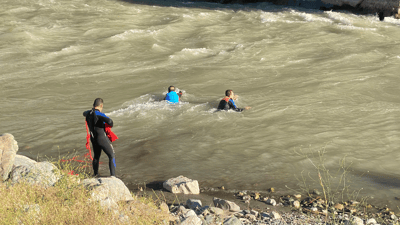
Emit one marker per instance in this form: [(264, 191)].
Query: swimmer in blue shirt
[(172, 96)]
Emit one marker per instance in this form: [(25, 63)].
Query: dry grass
[(68, 203)]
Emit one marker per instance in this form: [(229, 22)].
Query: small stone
[(354, 203), (314, 210), (265, 215), (393, 217), (193, 203), (275, 215), (181, 209), (296, 204), (232, 221), (240, 214), (271, 202), (240, 194), (164, 207), (209, 219), (191, 220), (250, 217), (190, 213), (339, 206), (222, 187), (253, 212), (316, 192), (216, 211), (256, 195), (272, 190), (246, 197), (355, 221), (298, 196), (371, 221), (352, 210), (225, 204)]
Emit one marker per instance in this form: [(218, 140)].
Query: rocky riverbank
[(185, 202), (221, 206)]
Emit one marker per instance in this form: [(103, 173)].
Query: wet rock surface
[(8, 151)]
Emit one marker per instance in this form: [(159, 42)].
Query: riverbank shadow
[(266, 6)]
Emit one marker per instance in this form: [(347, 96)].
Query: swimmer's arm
[(242, 109), (106, 120)]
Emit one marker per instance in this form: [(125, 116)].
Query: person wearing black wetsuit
[(96, 121), (227, 102)]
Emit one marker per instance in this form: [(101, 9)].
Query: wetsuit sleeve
[(107, 120), (232, 106), (222, 105)]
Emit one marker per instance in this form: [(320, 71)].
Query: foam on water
[(143, 104), (311, 17), (189, 54)]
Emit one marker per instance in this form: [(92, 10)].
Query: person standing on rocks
[(172, 96), (99, 127), (228, 102)]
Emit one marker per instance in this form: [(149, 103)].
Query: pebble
[(216, 211), (271, 202), (316, 192), (371, 221), (275, 215), (296, 204), (232, 221), (339, 206), (298, 196)]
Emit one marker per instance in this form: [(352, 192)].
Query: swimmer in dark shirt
[(228, 102)]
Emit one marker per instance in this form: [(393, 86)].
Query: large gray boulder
[(27, 170), (8, 150), (183, 185), (108, 191)]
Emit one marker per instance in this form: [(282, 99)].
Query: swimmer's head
[(228, 93), (98, 103), (171, 88)]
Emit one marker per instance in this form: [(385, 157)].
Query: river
[(319, 83)]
